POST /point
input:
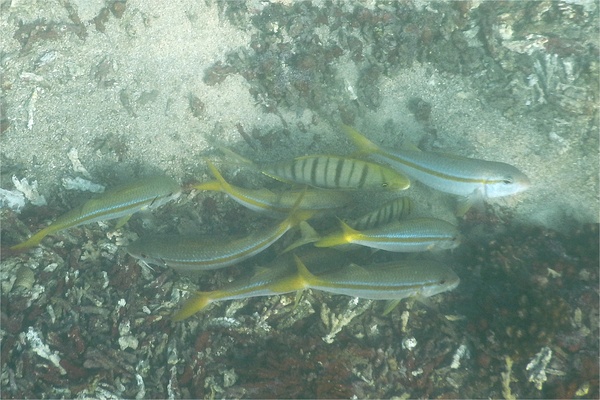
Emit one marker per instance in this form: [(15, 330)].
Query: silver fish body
[(413, 235), (387, 281), (200, 253), (392, 210), (448, 173), (331, 172), (119, 202)]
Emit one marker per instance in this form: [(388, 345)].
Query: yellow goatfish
[(419, 234), (448, 173), (275, 204), (332, 172), (193, 253), (279, 277), (119, 202), (388, 281)]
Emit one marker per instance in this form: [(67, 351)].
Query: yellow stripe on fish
[(453, 174), (205, 253), (275, 204), (387, 281), (392, 210), (119, 202), (332, 172), (419, 234), (279, 277)]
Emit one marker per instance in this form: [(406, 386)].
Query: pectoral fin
[(122, 221), (390, 306), (464, 204), (309, 235)]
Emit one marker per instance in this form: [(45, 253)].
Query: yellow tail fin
[(197, 303), (347, 235), (220, 185), (230, 156), (364, 145), (214, 186), (305, 276), (34, 240), (296, 215)]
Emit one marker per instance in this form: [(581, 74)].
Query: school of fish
[(315, 261)]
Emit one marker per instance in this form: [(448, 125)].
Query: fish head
[(395, 181), (142, 249), (453, 242), (508, 182), (448, 280), (451, 239)]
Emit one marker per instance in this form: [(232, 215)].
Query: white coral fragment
[(77, 165), (29, 190), (12, 199), (459, 354), (337, 322), (537, 366), (82, 185), (42, 349)]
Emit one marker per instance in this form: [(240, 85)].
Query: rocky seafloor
[(82, 319), (79, 318)]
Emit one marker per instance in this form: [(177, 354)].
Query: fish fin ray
[(33, 240), (214, 186), (193, 305), (122, 221), (390, 306), (309, 235), (360, 141)]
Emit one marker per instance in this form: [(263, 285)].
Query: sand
[(121, 98)]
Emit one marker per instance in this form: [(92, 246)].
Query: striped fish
[(275, 204), (387, 281), (332, 172), (193, 253), (448, 173), (419, 234), (119, 202), (278, 277), (392, 210)]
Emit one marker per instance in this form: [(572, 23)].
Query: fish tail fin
[(360, 141), (347, 235), (224, 186), (305, 276), (298, 215), (34, 240), (308, 235), (196, 303), (232, 156), (214, 186)]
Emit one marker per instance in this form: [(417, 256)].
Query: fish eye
[(507, 181), (384, 184), (442, 281)]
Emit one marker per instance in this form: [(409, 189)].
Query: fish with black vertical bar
[(330, 172)]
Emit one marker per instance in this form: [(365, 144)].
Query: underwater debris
[(33, 338), (12, 199), (506, 379), (459, 354), (78, 167), (538, 365), (336, 322), (30, 191)]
